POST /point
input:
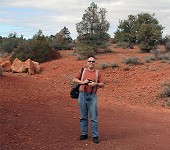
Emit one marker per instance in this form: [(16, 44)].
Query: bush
[(166, 56), (85, 52), (166, 103), (1, 70), (36, 49), (143, 29), (167, 43), (114, 65), (166, 91), (148, 59), (125, 45), (103, 66), (108, 50), (132, 61), (156, 54)]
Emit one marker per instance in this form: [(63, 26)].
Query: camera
[(89, 81)]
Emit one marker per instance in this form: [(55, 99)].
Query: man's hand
[(86, 81), (92, 83)]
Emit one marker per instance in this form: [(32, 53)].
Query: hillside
[(36, 112)]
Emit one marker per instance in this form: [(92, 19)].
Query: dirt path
[(36, 112)]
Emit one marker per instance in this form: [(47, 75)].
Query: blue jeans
[(88, 105)]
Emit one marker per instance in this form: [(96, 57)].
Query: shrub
[(148, 59), (132, 61), (167, 43), (125, 45), (114, 65), (166, 91), (108, 50), (126, 69), (103, 66), (166, 56), (156, 54), (166, 103), (84, 52), (1, 70)]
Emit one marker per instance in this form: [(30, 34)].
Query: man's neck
[(91, 69)]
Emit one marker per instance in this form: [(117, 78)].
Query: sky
[(26, 17)]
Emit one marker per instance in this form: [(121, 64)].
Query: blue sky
[(26, 17)]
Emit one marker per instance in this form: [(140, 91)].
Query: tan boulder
[(36, 67), (5, 64), (30, 66), (18, 66)]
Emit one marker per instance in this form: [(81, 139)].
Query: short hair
[(91, 56)]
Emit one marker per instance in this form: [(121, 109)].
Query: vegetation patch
[(165, 94), (114, 65), (132, 61), (103, 66), (1, 70)]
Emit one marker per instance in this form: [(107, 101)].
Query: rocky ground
[(36, 111)]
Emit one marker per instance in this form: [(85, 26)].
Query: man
[(90, 80)]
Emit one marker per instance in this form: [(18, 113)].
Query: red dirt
[(37, 113)]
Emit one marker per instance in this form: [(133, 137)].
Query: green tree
[(62, 40), (143, 29), (92, 30), (37, 49), (126, 30), (11, 42), (167, 42), (22, 52)]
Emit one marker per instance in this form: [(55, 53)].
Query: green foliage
[(2, 51), (126, 30), (62, 40), (103, 66), (124, 45), (1, 70), (37, 49), (165, 94), (114, 65), (149, 59), (84, 52), (149, 37), (22, 52), (165, 91), (10, 43), (156, 54), (167, 43), (143, 29), (93, 28), (131, 61)]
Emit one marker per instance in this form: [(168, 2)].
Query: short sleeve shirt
[(92, 76)]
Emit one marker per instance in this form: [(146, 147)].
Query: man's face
[(91, 63)]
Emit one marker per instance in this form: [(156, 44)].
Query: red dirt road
[(36, 112)]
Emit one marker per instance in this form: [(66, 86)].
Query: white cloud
[(27, 17)]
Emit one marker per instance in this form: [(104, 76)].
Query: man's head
[(91, 62)]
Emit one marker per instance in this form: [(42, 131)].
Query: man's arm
[(78, 81), (100, 84)]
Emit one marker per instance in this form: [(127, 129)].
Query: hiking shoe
[(96, 140), (83, 137)]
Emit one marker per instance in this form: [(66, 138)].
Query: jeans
[(88, 105)]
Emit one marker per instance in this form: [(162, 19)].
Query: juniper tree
[(92, 30)]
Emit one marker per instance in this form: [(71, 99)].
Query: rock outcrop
[(29, 66), (5, 64)]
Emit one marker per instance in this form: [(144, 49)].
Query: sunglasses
[(91, 61)]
